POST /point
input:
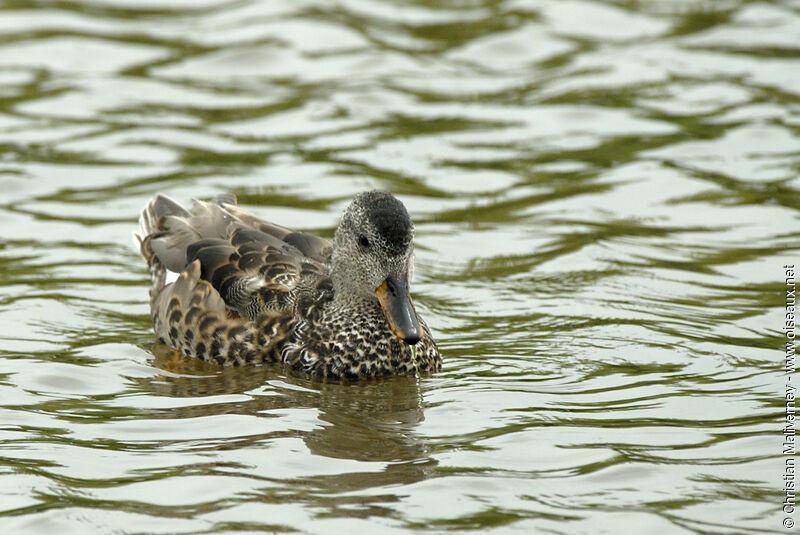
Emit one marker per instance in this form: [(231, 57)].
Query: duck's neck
[(345, 299), (347, 292)]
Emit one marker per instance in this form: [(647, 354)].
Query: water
[(604, 194)]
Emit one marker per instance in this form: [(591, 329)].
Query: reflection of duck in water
[(251, 291), (365, 420)]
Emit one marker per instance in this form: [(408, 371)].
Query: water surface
[(604, 195)]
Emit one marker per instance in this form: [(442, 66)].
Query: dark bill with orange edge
[(398, 309)]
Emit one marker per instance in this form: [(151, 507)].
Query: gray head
[(373, 258)]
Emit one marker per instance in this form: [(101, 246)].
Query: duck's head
[(373, 259)]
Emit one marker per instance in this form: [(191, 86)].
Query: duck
[(233, 289)]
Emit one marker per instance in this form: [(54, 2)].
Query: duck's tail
[(154, 222)]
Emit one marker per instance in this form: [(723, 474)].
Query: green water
[(604, 194)]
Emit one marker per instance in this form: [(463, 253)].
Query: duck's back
[(241, 279)]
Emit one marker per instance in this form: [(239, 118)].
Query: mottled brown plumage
[(251, 292)]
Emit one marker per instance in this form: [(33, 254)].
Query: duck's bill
[(398, 309)]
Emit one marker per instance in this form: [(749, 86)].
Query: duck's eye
[(363, 241)]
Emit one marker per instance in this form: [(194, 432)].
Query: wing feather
[(254, 265)]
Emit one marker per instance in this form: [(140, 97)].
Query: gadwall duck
[(250, 292)]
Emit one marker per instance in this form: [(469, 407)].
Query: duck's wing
[(253, 264), (312, 247), (254, 273), (190, 316)]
